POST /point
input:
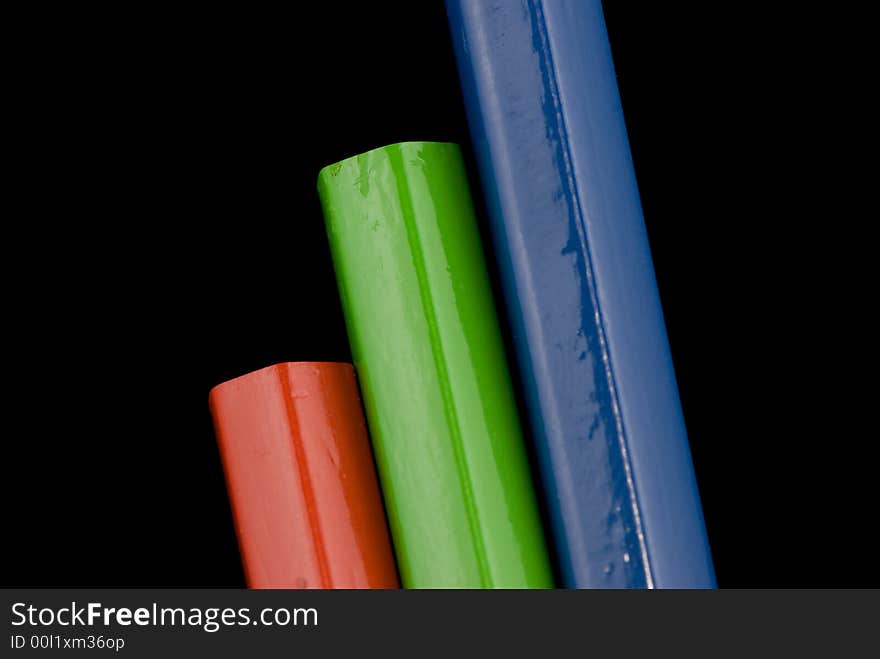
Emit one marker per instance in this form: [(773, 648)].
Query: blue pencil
[(548, 128)]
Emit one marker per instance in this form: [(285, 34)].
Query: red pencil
[(301, 479)]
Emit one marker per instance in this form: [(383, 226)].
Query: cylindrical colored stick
[(548, 128), (431, 364), (301, 479)]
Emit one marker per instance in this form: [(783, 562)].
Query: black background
[(163, 234)]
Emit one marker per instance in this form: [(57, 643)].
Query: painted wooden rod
[(429, 355), (548, 129), (301, 479)]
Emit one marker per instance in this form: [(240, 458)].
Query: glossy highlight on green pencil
[(429, 356)]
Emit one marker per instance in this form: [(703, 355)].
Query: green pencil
[(428, 352)]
